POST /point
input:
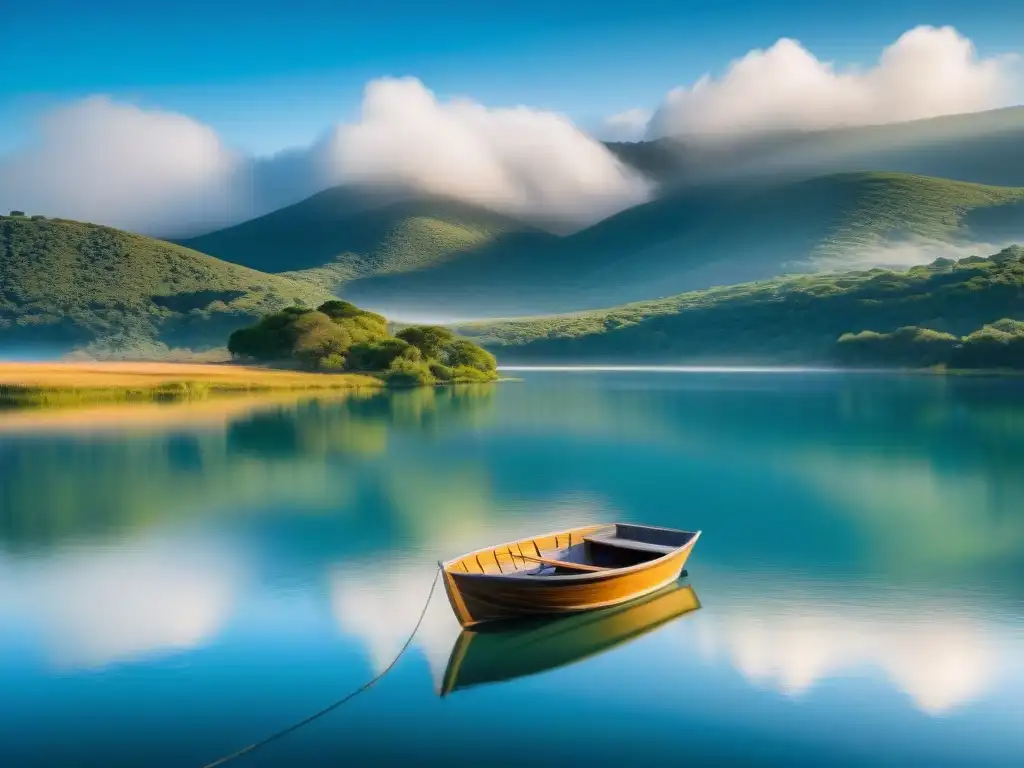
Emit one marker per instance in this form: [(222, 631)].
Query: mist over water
[(244, 563)]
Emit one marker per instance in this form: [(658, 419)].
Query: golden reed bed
[(57, 383)]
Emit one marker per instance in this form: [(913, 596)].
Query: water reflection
[(94, 607), (943, 652), (73, 474), (925, 468), (490, 654), (863, 554)]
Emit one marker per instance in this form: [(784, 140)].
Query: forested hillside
[(786, 320)]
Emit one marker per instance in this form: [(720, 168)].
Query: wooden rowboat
[(501, 651), (575, 570)]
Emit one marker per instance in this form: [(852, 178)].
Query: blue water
[(179, 581)]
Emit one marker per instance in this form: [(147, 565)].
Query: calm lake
[(179, 581)]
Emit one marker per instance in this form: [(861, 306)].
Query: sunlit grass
[(68, 384)]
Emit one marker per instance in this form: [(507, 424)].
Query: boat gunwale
[(600, 576)]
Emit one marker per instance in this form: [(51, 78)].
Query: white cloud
[(927, 72), (519, 161), (167, 174), (630, 125), (117, 164)]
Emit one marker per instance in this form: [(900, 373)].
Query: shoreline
[(69, 383), (764, 369)]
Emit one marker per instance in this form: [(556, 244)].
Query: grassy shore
[(73, 383)]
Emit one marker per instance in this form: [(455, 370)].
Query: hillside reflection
[(115, 471), (855, 529)]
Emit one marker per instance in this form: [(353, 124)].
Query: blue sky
[(269, 75)]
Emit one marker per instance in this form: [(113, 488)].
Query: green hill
[(66, 284), (712, 235), (797, 319), (407, 258), (981, 147), (345, 233)]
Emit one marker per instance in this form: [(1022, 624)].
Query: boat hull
[(480, 597)]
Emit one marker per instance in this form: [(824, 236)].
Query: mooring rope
[(331, 707)]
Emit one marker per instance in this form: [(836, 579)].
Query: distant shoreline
[(1010, 373), (671, 368)]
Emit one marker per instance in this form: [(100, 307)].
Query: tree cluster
[(944, 313), (338, 336), (994, 346)]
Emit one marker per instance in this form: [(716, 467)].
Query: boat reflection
[(500, 651)]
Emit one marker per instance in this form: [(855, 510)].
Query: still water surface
[(178, 581)]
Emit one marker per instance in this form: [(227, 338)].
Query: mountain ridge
[(977, 147), (356, 235), (713, 235)]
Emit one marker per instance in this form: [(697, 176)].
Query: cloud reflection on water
[(89, 608), (926, 491), (942, 653)]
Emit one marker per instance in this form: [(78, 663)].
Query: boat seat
[(563, 564), (611, 540)]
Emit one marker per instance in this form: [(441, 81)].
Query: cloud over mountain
[(520, 161), (113, 163), (165, 173), (927, 72), (629, 125)]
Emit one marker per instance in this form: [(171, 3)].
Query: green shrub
[(465, 374), (378, 355), (359, 324), (272, 338), (317, 337), (249, 342), (999, 345), (440, 371), (408, 373), (369, 327), (910, 347), (333, 362), (431, 340), (462, 352), (337, 309)]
